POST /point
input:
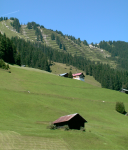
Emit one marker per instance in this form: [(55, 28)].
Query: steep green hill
[(30, 99), (92, 53), (119, 52)]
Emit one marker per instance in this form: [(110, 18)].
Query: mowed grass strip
[(12, 140), (51, 96)]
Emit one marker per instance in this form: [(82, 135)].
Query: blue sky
[(91, 20)]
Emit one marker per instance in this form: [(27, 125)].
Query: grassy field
[(59, 68), (30, 99)]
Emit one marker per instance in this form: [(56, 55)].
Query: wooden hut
[(74, 121)]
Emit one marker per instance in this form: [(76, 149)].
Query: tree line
[(16, 24), (77, 41), (8, 50), (38, 55), (30, 54), (3, 18), (118, 50), (108, 77), (18, 51), (59, 32)]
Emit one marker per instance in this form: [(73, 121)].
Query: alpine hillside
[(58, 41), (35, 46)]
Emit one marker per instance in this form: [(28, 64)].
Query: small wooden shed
[(74, 121)]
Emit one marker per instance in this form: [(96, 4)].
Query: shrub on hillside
[(120, 107), (3, 65), (82, 129), (66, 127), (51, 126)]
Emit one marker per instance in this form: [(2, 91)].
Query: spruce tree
[(70, 75), (52, 36)]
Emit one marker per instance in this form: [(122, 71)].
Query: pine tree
[(70, 75), (85, 42), (52, 36), (64, 47)]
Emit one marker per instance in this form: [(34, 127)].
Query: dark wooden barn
[(74, 121)]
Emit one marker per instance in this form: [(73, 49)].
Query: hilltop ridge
[(75, 48)]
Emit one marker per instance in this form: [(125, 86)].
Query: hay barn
[(74, 121)]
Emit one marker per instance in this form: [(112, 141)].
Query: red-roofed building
[(74, 121), (78, 76)]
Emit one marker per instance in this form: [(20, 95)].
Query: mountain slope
[(92, 53)]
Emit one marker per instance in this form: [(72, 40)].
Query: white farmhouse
[(78, 76)]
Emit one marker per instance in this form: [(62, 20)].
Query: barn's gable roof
[(124, 90), (67, 118), (63, 74)]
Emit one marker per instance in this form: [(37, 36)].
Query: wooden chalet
[(74, 121), (78, 76)]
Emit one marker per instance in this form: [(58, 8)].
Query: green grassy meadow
[(24, 115), (59, 68)]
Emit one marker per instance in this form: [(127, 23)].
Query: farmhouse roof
[(77, 74), (63, 74), (124, 89), (67, 118)]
